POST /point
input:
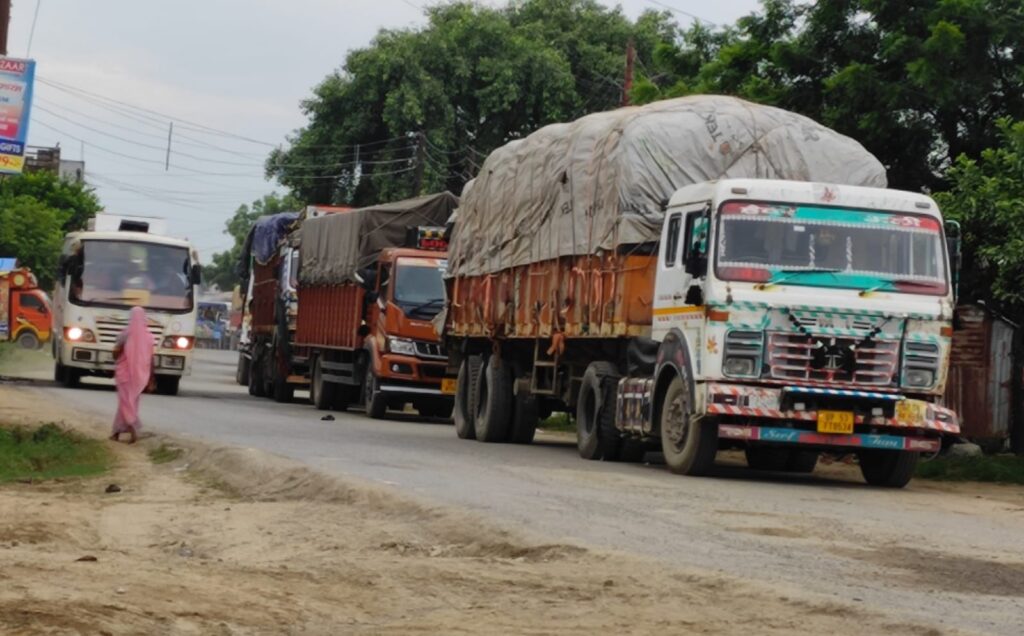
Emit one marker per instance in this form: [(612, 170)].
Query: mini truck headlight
[(736, 366), (919, 378), (401, 346)]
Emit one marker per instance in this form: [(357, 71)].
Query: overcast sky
[(234, 66)]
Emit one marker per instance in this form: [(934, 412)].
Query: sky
[(113, 74)]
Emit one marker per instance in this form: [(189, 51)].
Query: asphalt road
[(923, 555)]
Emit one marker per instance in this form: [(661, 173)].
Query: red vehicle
[(25, 313), (369, 292)]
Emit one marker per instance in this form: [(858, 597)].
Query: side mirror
[(697, 264), (196, 275)]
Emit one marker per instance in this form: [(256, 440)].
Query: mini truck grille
[(792, 357)]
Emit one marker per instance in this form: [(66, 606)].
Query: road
[(922, 555)]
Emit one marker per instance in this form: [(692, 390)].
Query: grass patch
[(164, 454), (1001, 469), (561, 422), (49, 452)]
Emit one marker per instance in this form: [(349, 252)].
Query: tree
[(918, 82), (987, 198), (418, 110), (221, 270), (31, 231), (74, 201)]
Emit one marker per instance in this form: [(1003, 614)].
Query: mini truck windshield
[(775, 243), (419, 287), (130, 273)]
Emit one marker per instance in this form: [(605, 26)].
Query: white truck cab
[(102, 275)]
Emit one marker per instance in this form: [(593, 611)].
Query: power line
[(681, 12), (32, 32)]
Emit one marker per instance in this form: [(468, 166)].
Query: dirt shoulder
[(234, 541)]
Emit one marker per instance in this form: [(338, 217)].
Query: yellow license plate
[(911, 411), (448, 386), (840, 422)]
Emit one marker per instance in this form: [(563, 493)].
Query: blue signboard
[(17, 78)]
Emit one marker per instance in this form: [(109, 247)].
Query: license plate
[(911, 411), (448, 386), (839, 422)]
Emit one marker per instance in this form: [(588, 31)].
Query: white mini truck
[(793, 318)]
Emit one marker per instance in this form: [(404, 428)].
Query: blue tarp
[(8, 264), (264, 239)]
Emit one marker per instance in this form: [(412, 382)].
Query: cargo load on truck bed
[(263, 240), (602, 181), (335, 247)]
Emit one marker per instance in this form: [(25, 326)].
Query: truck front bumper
[(789, 414), (408, 374), (100, 361)]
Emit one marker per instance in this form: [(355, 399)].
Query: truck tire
[(257, 388), (689, 445), (464, 413), (887, 469), (282, 391), (494, 402), (242, 371), (167, 384), (524, 419), (28, 340), (374, 400), (596, 435), (322, 393)]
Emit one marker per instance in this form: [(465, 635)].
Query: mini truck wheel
[(689, 444), (28, 340)]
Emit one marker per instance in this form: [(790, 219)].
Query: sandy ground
[(229, 541)]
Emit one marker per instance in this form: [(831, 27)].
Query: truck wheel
[(28, 340), (322, 393), (283, 392), (888, 469), (375, 402), (494, 402), (596, 435), (242, 371), (465, 397), (167, 384), (689, 444), (344, 396), (257, 388), (524, 419)]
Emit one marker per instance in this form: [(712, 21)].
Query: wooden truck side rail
[(264, 293)]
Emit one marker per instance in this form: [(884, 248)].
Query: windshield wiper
[(786, 274), (429, 303)]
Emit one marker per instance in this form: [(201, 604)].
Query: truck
[(102, 274), (783, 303), (370, 283), (25, 313)]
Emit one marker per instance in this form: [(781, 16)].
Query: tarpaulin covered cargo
[(602, 180), (334, 247), (264, 238)]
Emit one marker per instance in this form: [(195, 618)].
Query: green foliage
[(221, 270), (36, 210), (987, 198), (164, 454), (31, 231), (49, 452), (471, 80), (1003, 469), (918, 83)]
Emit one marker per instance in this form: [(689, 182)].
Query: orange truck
[(25, 313), (697, 275), (370, 283)]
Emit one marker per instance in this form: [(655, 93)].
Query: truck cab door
[(29, 308), (682, 269)]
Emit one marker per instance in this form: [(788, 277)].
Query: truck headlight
[(734, 366), (401, 346), (919, 378), (77, 334), (177, 342)]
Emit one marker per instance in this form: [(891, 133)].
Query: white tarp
[(602, 180)]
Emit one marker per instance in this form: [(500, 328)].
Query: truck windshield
[(130, 273), (419, 288), (830, 247)]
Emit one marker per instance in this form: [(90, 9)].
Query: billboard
[(16, 81)]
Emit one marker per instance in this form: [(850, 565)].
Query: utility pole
[(421, 158), (627, 85), (167, 162), (5, 23)]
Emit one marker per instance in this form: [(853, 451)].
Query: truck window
[(419, 288), (696, 233), (30, 301), (672, 240), (128, 273)]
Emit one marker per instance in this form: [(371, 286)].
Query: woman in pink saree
[(133, 373)]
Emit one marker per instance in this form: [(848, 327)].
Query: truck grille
[(432, 350), (791, 357), (109, 329)]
